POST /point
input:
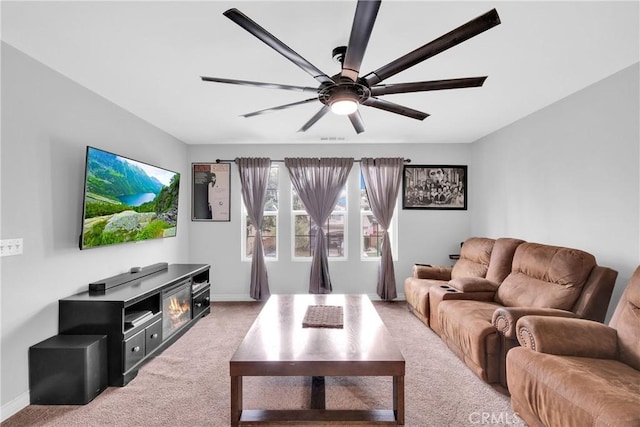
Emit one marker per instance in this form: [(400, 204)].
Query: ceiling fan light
[(344, 106)]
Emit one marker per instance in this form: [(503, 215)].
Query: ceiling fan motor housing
[(343, 89)]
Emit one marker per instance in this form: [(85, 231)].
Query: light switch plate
[(10, 247)]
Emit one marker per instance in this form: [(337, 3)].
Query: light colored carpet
[(188, 384)]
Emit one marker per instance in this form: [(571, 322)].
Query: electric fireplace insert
[(176, 308)]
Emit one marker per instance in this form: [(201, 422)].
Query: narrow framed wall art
[(211, 191), (434, 187)]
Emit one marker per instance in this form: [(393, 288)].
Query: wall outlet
[(10, 247)]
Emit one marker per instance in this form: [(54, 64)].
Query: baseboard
[(243, 297), (230, 297), (375, 297), (14, 406)]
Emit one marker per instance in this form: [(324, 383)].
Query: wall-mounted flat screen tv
[(126, 200)]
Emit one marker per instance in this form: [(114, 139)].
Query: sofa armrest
[(434, 272), (505, 318), (568, 337), (473, 284)]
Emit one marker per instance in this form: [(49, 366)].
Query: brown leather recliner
[(575, 372), (475, 254), (544, 280), (476, 288)]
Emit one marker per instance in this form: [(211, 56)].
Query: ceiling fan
[(345, 91)]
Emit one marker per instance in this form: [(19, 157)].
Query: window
[(269, 222), (304, 229), (371, 237)]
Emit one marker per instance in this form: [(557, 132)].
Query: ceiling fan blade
[(464, 32), (260, 84), (356, 121), (426, 86), (324, 110), (280, 107), (245, 22), (394, 108), (365, 17)]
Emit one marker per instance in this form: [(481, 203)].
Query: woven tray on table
[(323, 316)]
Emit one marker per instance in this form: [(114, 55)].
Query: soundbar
[(121, 279)]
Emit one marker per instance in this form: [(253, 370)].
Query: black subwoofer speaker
[(68, 369)]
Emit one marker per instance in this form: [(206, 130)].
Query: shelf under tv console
[(141, 313)]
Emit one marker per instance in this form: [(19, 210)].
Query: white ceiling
[(148, 56)]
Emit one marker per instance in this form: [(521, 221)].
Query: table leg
[(236, 400), (317, 393), (398, 399)]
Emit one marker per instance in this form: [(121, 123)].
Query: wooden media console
[(141, 314)]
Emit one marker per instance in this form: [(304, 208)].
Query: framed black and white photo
[(434, 187), (211, 197)]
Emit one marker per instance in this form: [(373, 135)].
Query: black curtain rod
[(282, 161)]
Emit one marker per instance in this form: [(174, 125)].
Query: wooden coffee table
[(278, 345)]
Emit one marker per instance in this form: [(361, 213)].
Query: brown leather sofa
[(575, 372), (544, 280), (480, 257)]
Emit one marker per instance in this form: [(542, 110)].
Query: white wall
[(568, 175), (424, 236), (47, 121)]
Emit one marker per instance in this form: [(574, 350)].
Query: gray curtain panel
[(318, 183), (382, 179), (254, 178)]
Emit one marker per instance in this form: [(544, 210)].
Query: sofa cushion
[(416, 292), (435, 272), (545, 276), (474, 258), (593, 302), (573, 391), (502, 258), (473, 284), (467, 329)]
